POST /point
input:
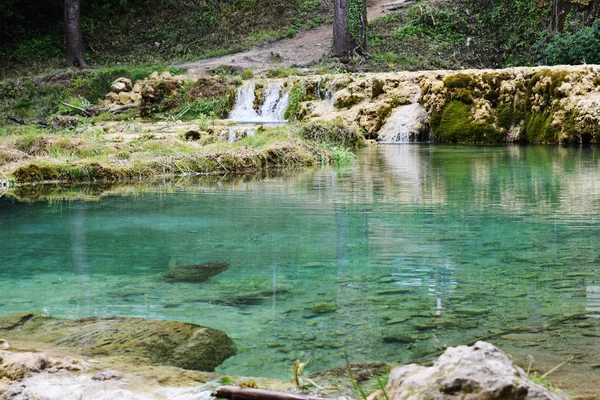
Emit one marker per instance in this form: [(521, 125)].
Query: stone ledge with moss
[(177, 130)]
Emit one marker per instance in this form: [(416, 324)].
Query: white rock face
[(479, 372)]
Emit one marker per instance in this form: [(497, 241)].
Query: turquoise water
[(406, 251)]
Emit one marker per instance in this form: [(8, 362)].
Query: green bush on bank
[(579, 47)]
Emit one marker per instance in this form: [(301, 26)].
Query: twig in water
[(558, 366)]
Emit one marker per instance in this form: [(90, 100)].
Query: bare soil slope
[(302, 50)]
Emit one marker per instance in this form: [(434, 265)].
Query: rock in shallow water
[(478, 372), (196, 272), (178, 344)]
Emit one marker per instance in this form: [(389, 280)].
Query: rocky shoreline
[(35, 370)]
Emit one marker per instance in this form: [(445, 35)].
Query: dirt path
[(301, 50)]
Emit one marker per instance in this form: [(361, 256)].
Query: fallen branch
[(396, 5), (557, 367), (120, 109), (238, 393), (16, 120), (82, 110)]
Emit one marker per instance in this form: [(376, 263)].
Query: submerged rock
[(196, 272), (478, 372), (178, 344)]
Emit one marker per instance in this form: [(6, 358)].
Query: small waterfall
[(271, 110), (407, 123)]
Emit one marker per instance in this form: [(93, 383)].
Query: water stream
[(409, 250), (276, 100)]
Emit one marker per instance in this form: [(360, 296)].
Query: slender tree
[(349, 28), (75, 48)]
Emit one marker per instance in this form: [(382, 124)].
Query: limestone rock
[(125, 98), (17, 366), (178, 344), (121, 85), (478, 372), (406, 124), (4, 344), (346, 99), (196, 272), (106, 376)]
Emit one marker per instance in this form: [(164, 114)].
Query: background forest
[(430, 34)]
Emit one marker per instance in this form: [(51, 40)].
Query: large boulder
[(178, 344), (468, 373)]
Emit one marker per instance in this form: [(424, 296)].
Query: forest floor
[(302, 50)]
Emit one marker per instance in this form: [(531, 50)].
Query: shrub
[(332, 133), (579, 47)]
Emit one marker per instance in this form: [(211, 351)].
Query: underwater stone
[(196, 273), (324, 308), (393, 291), (399, 338)]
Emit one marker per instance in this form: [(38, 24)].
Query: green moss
[(455, 125), (464, 95), (376, 88), (505, 115), (259, 95), (539, 129), (458, 81)]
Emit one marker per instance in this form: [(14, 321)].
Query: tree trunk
[(349, 28), (73, 33)]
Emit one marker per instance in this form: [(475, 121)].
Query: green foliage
[(282, 72), (200, 108), (423, 37), (331, 132), (579, 47), (355, 24), (296, 96), (247, 74), (353, 381)]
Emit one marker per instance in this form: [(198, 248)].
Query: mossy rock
[(539, 128), (505, 115), (458, 81), (464, 96), (324, 308), (377, 88), (259, 95), (346, 99), (196, 273), (455, 125), (178, 344)]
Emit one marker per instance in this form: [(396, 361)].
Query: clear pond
[(409, 249)]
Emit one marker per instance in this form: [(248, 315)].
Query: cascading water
[(270, 111), (406, 124)]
